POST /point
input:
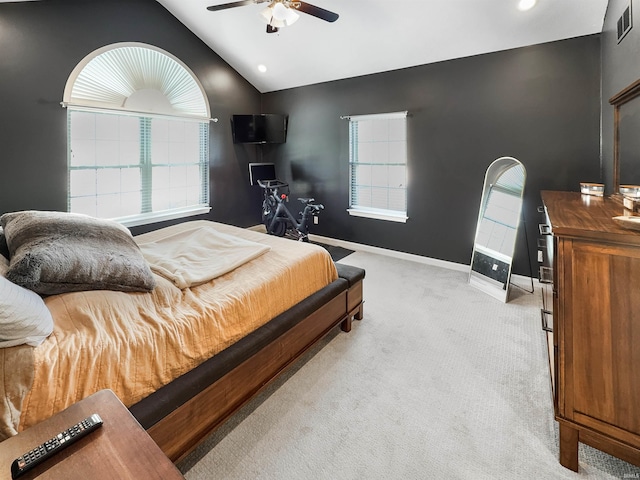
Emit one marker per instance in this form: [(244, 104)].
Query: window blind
[(118, 75), (123, 166), (138, 136), (378, 173)]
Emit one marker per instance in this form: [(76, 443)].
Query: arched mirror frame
[(618, 100), (484, 280)]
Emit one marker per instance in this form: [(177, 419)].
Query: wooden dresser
[(594, 269)]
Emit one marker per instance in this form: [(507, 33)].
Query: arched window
[(138, 136)]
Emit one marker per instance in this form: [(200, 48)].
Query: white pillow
[(24, 318)]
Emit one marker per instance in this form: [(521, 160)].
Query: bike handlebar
[(272, 183)]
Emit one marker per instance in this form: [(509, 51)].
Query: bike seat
[(306, 201)]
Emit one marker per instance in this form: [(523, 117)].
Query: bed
[(183, 352)]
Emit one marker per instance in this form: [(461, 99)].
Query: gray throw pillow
[(56, 252)]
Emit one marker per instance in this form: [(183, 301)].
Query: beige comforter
[(134, 343), (196, 253)]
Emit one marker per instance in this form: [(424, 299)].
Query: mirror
[(498, 221), (626, 141)]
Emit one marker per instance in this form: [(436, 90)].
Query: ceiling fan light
[(279, 11), (277, 23), (267, 14), (292, 16), (284, 14)]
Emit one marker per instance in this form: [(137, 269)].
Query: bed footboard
[(179, 416), (354, 277)]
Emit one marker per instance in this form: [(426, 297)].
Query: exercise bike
[(276, 216)]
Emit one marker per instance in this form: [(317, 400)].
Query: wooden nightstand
[(119, 449)]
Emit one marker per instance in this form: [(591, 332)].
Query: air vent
[(624, 23)]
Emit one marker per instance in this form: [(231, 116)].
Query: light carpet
[(439, 381)]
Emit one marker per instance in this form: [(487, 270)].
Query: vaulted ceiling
[(372, 36)]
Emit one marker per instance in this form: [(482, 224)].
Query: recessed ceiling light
[(262, 68), (526, 4)]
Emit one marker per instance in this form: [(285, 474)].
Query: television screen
[(263, 128), (275, 128), (261, 171)]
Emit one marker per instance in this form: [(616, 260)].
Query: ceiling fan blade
[(224, 6), (318, 12)]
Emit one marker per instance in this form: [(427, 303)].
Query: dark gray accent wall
[(620, 68), (42, 42), (539, 104)]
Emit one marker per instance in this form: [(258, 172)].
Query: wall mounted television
[(261, 171), (259, 128)]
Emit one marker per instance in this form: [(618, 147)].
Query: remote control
[(62, 440)]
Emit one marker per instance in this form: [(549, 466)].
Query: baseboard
[(390, 253), (460, 267)]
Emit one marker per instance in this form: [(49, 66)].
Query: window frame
[(359, 210), (177, 96), (145, 165)]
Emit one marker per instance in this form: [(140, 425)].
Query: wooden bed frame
[(181, 430)]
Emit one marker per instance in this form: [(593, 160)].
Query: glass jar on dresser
[(596, 325)]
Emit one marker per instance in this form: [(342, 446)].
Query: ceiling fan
[(281, 13)]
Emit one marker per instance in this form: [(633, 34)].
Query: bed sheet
[(134, 343)]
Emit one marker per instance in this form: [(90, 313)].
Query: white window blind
[(131, 166), (378, 166)]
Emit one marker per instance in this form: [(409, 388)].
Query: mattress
[(134, 343)]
